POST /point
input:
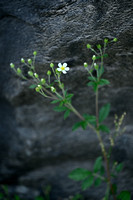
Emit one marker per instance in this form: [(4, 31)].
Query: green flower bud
[(96, 66), (22, 60), (34, 53), (106, 40), (93, 57), (61, 85), (85, 64), (19, 71), (115, 40), (12, 65), (88, 46), (53, 89), (36, 75), (29, 61), (37, 89), (99, 46), (30, 73), (51, 65), (40, 87), (48, 72), (43, 81)]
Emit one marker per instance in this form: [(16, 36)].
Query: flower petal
[(64, 72), (67, 68), (64, 64), (59, 65), (59, 69)]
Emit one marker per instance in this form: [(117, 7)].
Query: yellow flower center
[(62, 68)]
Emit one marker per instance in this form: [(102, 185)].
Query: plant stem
[(103, 147), (97, 110)]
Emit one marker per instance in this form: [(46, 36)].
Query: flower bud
[(30, 73), (106, 40), (40, 87), (37, 89), (35, 53), (19, 71), (12, 65), (93, 57), (36, 75), (85, 64), (96, 66), (99, 46), (115, 40), (43, 81), (53, 89), (61, 85), (88, 46), (51, 65), (29, 61), (48, 72), (22, 60)]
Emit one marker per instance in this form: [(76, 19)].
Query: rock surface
[(37, 146)]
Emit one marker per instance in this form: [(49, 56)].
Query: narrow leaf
[(124, 195), (104, 128), (66, 114), (55, 101), (100, 71), (97, 182), (87, 182), (90, 118), (32, 86), (98, 164), (104, 111), (79, 174), (92, 78), (103, 82), (119, 167), (60, 108)]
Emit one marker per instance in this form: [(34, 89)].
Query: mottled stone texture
[(37, 147)]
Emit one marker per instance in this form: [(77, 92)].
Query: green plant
[(55, 91)]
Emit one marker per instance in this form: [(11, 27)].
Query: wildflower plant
[(58, 94)]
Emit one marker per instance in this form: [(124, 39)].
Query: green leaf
[(104, 128), (82, 124), (78, 197), (104, 111), (39, 198), (55, 101), (1, 196), (102, 171), (124, 195), (69, 96), (33, 86), (16, 197), (103, 82), (100, 71), (90, 83), (92, 78), (98, 164), (79, 174), (76, 126), (90, 118), (66, 114), (119, 167), (87, 182), (97, 182), (59, 108)]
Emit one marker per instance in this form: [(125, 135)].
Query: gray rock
[(37, 146)]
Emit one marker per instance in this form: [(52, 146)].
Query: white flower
[(63, 68)]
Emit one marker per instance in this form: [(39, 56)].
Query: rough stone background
[(37, 147)]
